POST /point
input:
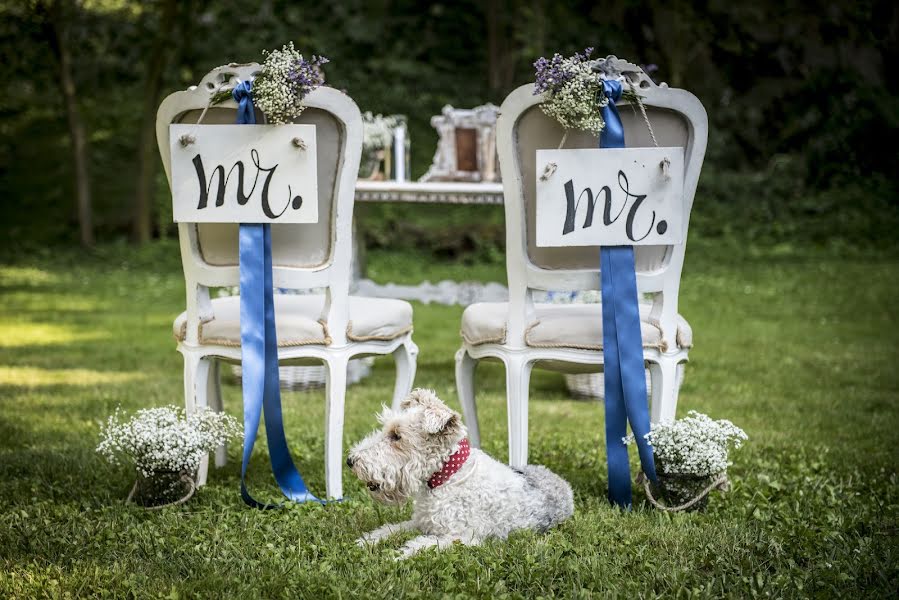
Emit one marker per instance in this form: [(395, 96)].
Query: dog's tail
[(558, 498)]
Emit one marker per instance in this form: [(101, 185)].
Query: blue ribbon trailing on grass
[(259, 346), (622, 341)]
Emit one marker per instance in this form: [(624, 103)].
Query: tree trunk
[(80, 153), (142, 226), (499, 73), (539, 41)]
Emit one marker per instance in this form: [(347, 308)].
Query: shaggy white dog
[(460, 494)]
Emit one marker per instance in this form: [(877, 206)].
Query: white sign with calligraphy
[(244, 173), (610, 197)]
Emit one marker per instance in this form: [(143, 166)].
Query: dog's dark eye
[(394, 436)]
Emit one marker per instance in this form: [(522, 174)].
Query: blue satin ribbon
[(622, 341), (259, 346), (243, 95)]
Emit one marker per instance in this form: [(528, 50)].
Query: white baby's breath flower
[(284, 81), (163, 439), (577, 105), (574, 92), (695, 445)]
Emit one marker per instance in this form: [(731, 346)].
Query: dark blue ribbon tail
[(625, 383), (259, 348)]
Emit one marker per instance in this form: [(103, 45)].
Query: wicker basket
[(590, 386), (301, 378)]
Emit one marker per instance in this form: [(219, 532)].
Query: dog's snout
[(350, 461)]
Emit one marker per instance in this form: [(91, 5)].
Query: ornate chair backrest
[(677, 118), (303, 255)]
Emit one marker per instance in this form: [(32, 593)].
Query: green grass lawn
[(796, 346)]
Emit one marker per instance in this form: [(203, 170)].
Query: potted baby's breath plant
[(691, 457), (166, 447)]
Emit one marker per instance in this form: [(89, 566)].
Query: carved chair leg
[(335, 390), (406, 357), (214, 396), (465, 370), (663, 378), (518, 376), (196, 386)]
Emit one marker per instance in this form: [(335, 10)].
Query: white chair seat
[(561, 326), (297, 318)]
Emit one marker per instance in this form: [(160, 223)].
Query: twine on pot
[(185, 478), (721, 482)]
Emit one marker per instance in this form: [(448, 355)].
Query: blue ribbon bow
[(622, 341), (259, 346), (243, 95)]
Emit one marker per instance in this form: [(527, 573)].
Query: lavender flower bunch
[(284, 82), (164, 439), (574, 92)]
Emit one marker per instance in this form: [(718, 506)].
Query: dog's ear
[(441, 421), (421, 397), (386, 414)]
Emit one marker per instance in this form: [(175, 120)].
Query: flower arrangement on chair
[(166, 447), (285, 80), (574, 91)]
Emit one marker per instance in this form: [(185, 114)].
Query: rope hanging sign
[(610, 197), (237, 174)]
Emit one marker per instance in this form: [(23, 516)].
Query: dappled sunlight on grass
[(20, 334), (34, 377)]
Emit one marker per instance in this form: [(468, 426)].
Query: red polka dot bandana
[(453, 464)]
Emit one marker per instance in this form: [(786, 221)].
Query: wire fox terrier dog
[(459, 493)]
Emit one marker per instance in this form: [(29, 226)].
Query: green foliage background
[(797, 93)]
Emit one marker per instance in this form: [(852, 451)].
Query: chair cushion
[(560, 326), (297, 320)]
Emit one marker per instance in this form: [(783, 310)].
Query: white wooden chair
[(568, 338), (331, 327)]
